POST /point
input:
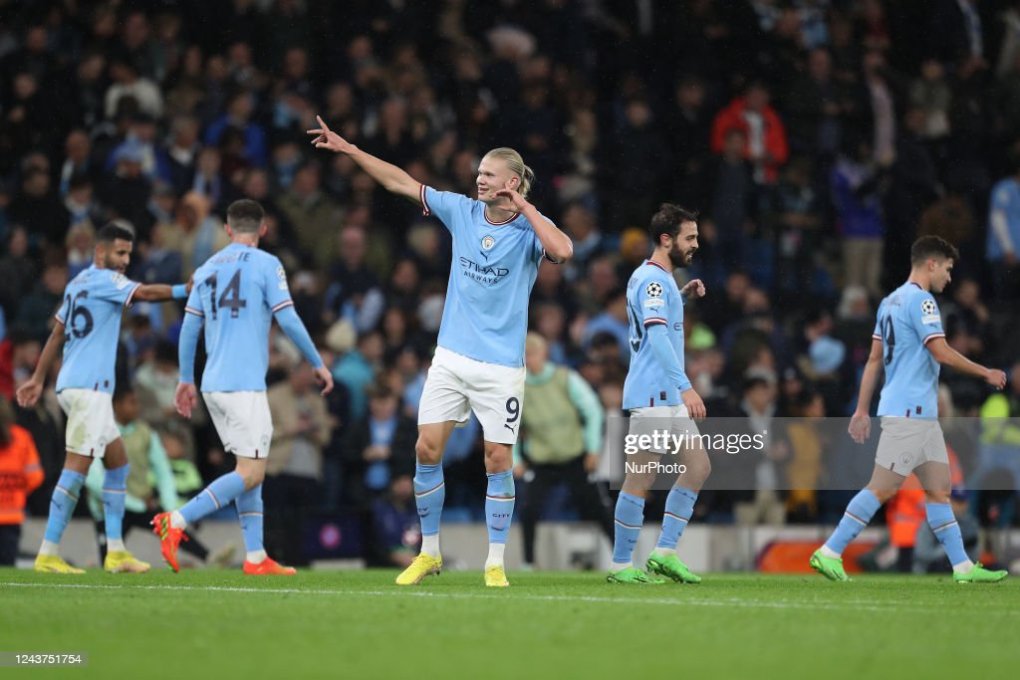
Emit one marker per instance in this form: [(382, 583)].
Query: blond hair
[(515, 162)]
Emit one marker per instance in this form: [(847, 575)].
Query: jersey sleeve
[(651, 302), (445, 205), (275, 282), (877, 333), (194, 303), (114, 287), (925, 318)]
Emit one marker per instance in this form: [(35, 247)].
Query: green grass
[(358, 625)]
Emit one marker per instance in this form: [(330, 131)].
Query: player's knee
[(937, 495), (498, 457), (427, 451), (251, 475), (883, 494)]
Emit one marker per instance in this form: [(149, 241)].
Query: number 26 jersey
[(90, 312), (908, 319), (235, 293)]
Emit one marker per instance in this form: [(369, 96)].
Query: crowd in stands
[(817, 138)]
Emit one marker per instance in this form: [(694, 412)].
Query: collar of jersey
[(500, 224), (656, 264)]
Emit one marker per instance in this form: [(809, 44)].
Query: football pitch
[(218, 624)]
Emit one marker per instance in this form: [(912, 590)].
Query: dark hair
[(122, 391), (669, 220), (932, 246), (113, 231), (245, 216), (380, 391)]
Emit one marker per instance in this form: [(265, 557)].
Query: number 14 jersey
[(236, 292), (908, 319)]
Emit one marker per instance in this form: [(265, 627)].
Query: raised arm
[(390, 176), (28, 393), (159, 292), (558, 246)]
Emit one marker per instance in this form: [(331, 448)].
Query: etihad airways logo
[(483, 273)]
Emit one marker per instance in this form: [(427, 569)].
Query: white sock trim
[(115, 545), (430, 545), (620, 566), (495, 558), (963, 567), (48, 548), (177, 520), (256, 556), (829, 552)]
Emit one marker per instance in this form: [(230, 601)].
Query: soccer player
[(88, 327), (660, 399), (909, 342), (237, 293), (499, 241)]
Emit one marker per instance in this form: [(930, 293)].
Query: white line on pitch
[(594, 599)]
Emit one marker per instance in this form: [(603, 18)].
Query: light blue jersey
[(91, 313), (236, 292), (907, 320), (653, 299), (494, 268)]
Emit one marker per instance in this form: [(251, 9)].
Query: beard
[(681, 258)]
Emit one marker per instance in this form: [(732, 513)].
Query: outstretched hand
[(695, 288), (327, 139)]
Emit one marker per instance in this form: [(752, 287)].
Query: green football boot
[(978, 574), (829, 567), (633, 575), (671, 567)]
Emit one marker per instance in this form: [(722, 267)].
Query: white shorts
[(662, 420), (457, 385), (906, 443), (243, 421), (90, 422)]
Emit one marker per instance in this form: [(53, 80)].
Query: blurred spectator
[(765, 143), (240, 108), (39, 209), (380, 446), (855, 187), (306, 205), (560, 442), (35, 312), (150, 483), (19, 271), (20, 475), (1004, 234), (128, 83), (301, 428), (395, 524)]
